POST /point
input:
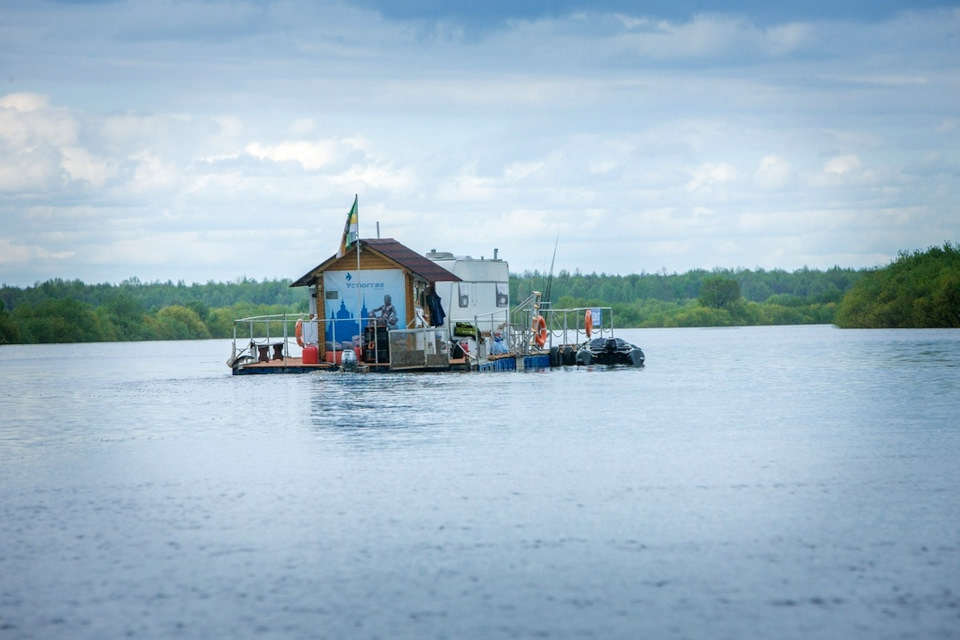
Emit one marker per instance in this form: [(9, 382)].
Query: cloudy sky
[(211, 140)]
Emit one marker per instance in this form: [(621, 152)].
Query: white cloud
[(312, 156), (711, 174), (696, 143), (24, 102), (152, 172), (947, 126), (519, 171), (783, 39), (466, 186), (18, 255), (711, 35), (841, 165), (32, 137), (31, 169), (773, 172), (12, 254), (80, 164)]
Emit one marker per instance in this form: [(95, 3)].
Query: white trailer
[(481, 299)]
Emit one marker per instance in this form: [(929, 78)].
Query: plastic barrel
[(311, 354)]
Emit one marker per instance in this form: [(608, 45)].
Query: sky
[(202, 141)]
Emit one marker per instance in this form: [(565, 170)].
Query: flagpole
[(360, 326)]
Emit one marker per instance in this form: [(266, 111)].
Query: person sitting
[(499, 347)]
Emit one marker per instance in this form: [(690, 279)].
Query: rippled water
[(791, 482)]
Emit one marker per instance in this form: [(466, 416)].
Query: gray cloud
[(176, 140)]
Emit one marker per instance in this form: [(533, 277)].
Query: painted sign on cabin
[(355, 299)]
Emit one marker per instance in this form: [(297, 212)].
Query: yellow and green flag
[(349, 230)]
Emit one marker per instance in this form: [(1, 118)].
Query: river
[(766, 482)]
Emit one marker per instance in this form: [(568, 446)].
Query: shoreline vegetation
[(917, 290)]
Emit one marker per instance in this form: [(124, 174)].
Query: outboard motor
[(610, 345), (348, 360)]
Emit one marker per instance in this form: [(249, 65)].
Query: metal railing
[(426, 347), (269, 331), (422, 348), (564, 326)]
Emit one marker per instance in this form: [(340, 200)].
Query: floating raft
[(507, 362)]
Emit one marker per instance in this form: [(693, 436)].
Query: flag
[(349, 230)]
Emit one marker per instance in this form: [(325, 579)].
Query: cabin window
[(332, 295), (503, 294), (464, 294)]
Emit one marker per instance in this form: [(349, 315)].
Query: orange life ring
[(299, 331), (588, 322), (539, 331)]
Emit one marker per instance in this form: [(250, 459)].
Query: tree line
[(72, 311), (918, 289), (721, 297)]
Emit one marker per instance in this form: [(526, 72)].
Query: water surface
[(787, 482)]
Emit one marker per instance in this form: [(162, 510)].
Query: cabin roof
[(392, 250)]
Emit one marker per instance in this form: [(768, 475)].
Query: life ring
[(299, 331), (588, 322), (539, 331)]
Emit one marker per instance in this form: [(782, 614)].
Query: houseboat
[(378, 305)]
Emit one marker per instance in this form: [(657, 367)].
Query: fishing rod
[(546, 297)]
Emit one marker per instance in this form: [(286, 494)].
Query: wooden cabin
[(376, 286)]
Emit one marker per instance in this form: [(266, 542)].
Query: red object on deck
[(334, 357), (311, 355)]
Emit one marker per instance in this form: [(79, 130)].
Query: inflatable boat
[(610, 351)]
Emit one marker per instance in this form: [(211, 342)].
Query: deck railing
[(564, 326), (278, 330), (423, 348), (274, 335)]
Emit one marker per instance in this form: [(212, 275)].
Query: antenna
[(546, 297)]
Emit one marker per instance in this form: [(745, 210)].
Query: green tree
[(177, 322), (946, 300), (919, 289), (718, 292), (59, 320), (9, 332), (126, 315)]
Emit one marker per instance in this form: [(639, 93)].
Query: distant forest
[(919, 289), (753, 297), (72, 311)]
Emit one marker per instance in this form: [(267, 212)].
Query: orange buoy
[(299, 332), (588, 322), (539, 331)]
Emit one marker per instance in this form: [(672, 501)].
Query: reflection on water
[(787, 482)]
